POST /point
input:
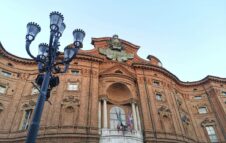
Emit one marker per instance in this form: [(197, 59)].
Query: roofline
[(109, 38), (14, 57), (176, 79), (137, 65), (80, 55)]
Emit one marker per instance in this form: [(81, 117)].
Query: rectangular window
[(202, 110), (158, 97), (212, 134), (26, 119), (72, 86), (198, 97), (75, 72), (34, 91), (224, 93), (6, 74), (2, 89), (156, 83)]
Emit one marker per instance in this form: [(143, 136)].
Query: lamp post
[(49, 61)]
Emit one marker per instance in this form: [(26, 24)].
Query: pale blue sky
[(188, 36)]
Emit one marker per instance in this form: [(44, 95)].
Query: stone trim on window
[(25, 121), (208, 122), (202, 110), (34, 91), (3, 89), (28, 105), (156, 83), (75, 72), (209, 126), (198, 97), (223, 93), (5, 73), (73, 86)]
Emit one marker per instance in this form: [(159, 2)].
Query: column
[(105, 114), (99, 115), (134, 116), (138, 118)]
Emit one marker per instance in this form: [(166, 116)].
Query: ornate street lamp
[(48, 60)]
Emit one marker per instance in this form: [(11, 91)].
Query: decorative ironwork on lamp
[(48, 60)]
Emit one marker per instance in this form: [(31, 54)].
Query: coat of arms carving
[(115, 50)]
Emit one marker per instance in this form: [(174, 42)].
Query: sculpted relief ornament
[(115, 50), (164, 111), (28, 105), (208, 122), (69, 102)]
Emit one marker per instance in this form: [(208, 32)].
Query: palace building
[(111, 95)]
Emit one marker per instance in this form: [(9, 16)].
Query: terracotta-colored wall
[(160, 120)]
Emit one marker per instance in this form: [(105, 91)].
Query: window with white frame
[(2, 89), (212, 134), (25, 119), (75, 72), (202, 110), (224, 93), (34, 91), (73, 86), (6, 74), (198, 97), (158, 96)]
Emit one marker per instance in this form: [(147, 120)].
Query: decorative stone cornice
[(81, 55), (208, 122), (125, 69), (173, 77), (15, 58), (28, 105), (128, 101), (85, 56), (109, 38), (117, 75)]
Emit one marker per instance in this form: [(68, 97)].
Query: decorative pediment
[(118, 69), (28, 105), (208, 122)]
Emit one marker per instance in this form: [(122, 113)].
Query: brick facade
[(73, 115)]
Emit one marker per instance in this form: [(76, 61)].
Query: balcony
[(115, 136)]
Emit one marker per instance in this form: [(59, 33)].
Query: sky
[(188, 36)]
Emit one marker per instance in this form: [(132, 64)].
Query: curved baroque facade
[(110, 94)]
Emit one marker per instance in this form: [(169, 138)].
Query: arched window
[(25, 119), (117, 117)]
